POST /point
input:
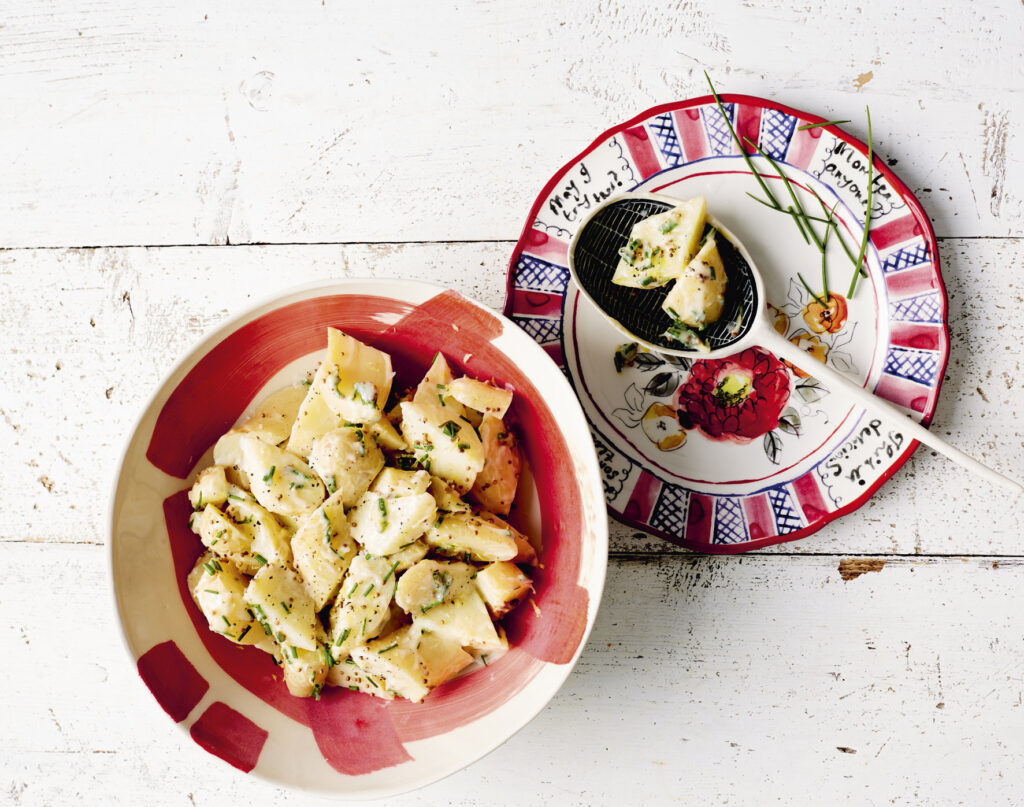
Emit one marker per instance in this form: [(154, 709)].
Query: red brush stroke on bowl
[(213, 395), (175, 683), (229, 735)]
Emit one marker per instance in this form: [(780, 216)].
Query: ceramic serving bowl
[(228, 697)]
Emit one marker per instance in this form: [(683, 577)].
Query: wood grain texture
[(257, 122)]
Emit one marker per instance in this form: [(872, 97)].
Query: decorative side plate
[(730, 455)]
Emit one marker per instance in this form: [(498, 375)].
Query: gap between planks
[(482, 241)]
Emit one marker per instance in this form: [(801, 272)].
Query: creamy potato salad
[(362, 546)]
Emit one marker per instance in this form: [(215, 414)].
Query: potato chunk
[(362, 606), (313, 420), (485, 398), (448, 448), (383, 525), (495, 485), (661, 246), (698, 295), (272, 421), (279, 600), (223, 537), (431, 583), (270, 542), (210, 487), (502, 585), (305, 671), (218, 589), (347, 460), (280, 480), (392, 482), (323, 549), (350, 675), (466, 535), (357, 378), (464, 621)]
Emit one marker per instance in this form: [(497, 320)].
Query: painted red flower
[(737, 398)]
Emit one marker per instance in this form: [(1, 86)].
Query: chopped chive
[(369, 588), (352, 590), (386, 649), (364, 627), (341, 638), (807, 126), (383, 507), (226, 620), (262, 561), (483, 658), (815, 296), (284, 605), (242, 634), (269, 474), (859, 266), (450, 428), (236, 498), (212, 591), (391, 571)]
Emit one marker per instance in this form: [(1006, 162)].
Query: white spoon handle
[(768, 338)]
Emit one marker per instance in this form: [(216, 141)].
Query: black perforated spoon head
[(594, 253)]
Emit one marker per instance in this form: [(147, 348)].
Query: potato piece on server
[(401, 567), (698, 295), (661, 246)]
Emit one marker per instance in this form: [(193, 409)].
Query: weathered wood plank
[(92, 334), (746, 679), (395, 121)]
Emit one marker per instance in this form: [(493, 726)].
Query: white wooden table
[(165, 164)]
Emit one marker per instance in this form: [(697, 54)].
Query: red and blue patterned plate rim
[(905, 194)]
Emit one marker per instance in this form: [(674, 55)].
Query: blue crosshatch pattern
[(541, 329), (914, 255), (671, 509), (776, 131), (917, 365), (665, 132), (730, 525), (787, 519), (717, 130), (923, 308), (537, 275)]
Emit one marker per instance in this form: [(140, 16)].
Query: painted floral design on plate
[(731, 454)]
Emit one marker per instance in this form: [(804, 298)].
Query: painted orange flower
[(822, 319)]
